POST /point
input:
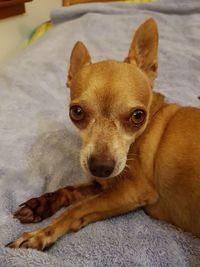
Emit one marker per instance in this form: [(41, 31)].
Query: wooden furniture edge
[(12, 8)]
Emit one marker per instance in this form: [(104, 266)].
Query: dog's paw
[(40, 240), (36, 209)]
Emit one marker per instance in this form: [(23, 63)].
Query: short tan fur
[(137, 150)]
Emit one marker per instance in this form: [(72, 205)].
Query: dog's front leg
[(124, 196), (39, 208)]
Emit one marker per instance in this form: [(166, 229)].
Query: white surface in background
[(15, 30)]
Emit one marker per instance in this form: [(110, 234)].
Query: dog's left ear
[(144, 49), (79, 58)]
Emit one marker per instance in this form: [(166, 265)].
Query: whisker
[(127, 166), (132, 154)]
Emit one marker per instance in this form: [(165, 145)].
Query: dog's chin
[(112, 176)]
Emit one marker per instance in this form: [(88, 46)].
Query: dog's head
[(110, 101)]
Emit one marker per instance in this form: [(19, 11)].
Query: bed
[(40, 146)]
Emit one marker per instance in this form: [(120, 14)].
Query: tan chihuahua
[(138, 150)]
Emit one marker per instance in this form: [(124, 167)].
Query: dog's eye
[(138, 116), (76, 113)]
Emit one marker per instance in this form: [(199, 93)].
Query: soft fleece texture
[(40, 146)]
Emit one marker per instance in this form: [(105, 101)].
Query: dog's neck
[(158, 102), (156, 124), (157, 105)]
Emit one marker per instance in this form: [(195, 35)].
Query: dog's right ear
[(144, 49), (79, 58)]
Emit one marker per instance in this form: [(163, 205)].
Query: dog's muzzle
[(101, 168)]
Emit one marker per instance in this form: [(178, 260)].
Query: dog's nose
[(101, 168)]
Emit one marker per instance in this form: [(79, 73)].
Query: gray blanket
[(39, 146)]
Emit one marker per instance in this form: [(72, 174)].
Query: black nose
[(101, 168)]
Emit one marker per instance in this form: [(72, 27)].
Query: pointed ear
[(79, 58), (144, 49)]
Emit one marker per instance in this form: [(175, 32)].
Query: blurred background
[(18, 20), (24, 21)]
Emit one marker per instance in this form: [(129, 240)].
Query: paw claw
[(27, 213), (35, 209), (9, 245), (22, 204), (24, 244), (35, 240)]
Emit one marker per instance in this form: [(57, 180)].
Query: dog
[(138, 150)]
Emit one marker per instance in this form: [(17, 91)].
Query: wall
[(15, 30)]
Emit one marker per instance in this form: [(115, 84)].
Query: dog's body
[(148, 150), (170, 160)]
